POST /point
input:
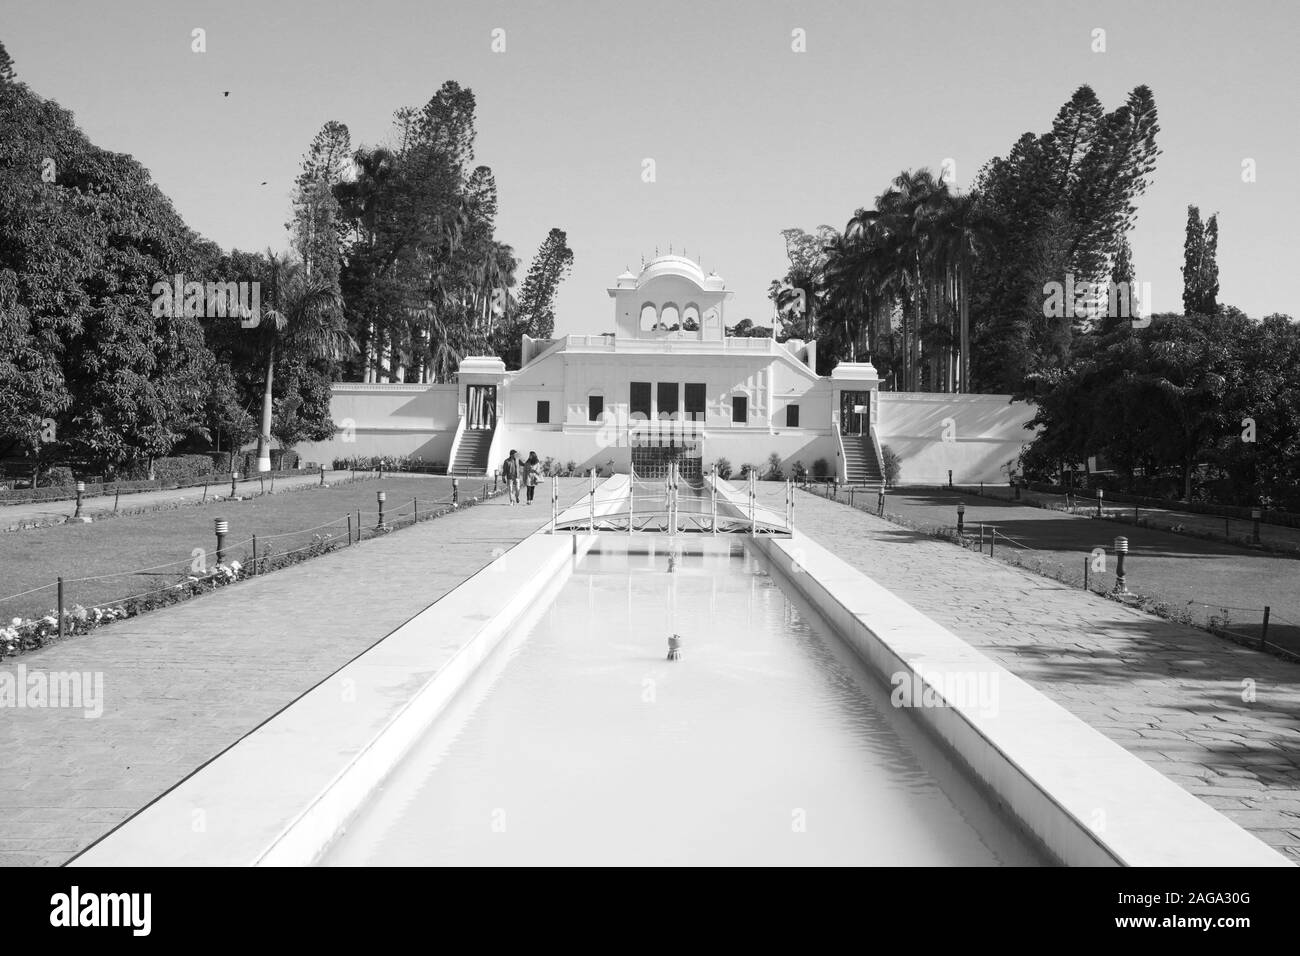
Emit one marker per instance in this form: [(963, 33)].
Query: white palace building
[(669, 382)]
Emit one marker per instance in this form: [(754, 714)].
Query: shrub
[(820, 468), (60, 476), (747, 469), (774, 472), (183, 469), (893, 465), (723, 468), (550, 467), (799, 472)]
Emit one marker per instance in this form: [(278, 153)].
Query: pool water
[(768, 743)]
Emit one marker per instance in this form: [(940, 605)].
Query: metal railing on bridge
[(655, 506)]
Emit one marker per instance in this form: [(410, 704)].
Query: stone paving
[(1170, 694), (184, 683)]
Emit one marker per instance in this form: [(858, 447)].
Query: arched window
[(691, 318), (649, 316), (669, 317)]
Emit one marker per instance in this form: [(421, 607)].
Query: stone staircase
[(472, 453), (861, 467)]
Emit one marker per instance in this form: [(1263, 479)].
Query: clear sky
[(748, 136)]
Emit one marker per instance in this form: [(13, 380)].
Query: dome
[(672, 266)]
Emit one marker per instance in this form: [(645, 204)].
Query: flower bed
[(22, 635)]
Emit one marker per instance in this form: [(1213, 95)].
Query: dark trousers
[(531, 489)]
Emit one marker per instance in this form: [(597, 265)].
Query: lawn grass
[(144, 552)]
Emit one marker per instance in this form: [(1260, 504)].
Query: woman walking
[(532, 474)]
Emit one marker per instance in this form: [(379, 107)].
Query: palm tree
[(963, 230), (304, 318)]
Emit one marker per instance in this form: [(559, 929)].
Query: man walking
[(510, 473)]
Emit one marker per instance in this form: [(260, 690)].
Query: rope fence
[(35, 616), (1259, 627)]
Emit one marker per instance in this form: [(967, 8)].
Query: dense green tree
[(1200, 268)]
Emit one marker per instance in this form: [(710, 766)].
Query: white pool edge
[(319, 760), (1083, 797)]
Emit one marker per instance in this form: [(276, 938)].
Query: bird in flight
[(226, 93)]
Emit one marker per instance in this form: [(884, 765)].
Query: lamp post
[(961, 517), (222, 527), (1121, 549), (381, 497), (234, 476), (81, 489), (1101, 494)]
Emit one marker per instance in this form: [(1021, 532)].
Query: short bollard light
[(81, 490), (381, 497), (961, 517), (1121, 549), (1101, 493), (1255, 515), (234, 476), (322, 474), (222, 527), (455, 491), (949, 477)]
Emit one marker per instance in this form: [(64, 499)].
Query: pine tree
[(6, 66), (537, 295)]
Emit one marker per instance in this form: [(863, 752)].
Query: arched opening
[(670, 320), (649, 316), (691, 318)]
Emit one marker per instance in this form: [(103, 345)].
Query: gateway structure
[(669, 385)]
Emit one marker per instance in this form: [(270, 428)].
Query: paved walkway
[(14, 517), (184, 683), (1169, 694)]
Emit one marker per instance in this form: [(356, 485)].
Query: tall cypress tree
[(1200, 264), (1210, 267), (1193, 255)]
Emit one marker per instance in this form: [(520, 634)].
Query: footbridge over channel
[(671, 503)]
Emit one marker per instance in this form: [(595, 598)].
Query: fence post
[(713, 503), (358, 526), (415, 506), (1263, 634), (117, 493), (591, 514), (993, 533), (349, 527), (981, 537), (961, 518), (1087, 566), (205, 492), (60, 605), (254, 555)]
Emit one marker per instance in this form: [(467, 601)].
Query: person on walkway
[(510, 470), (532, 474)]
